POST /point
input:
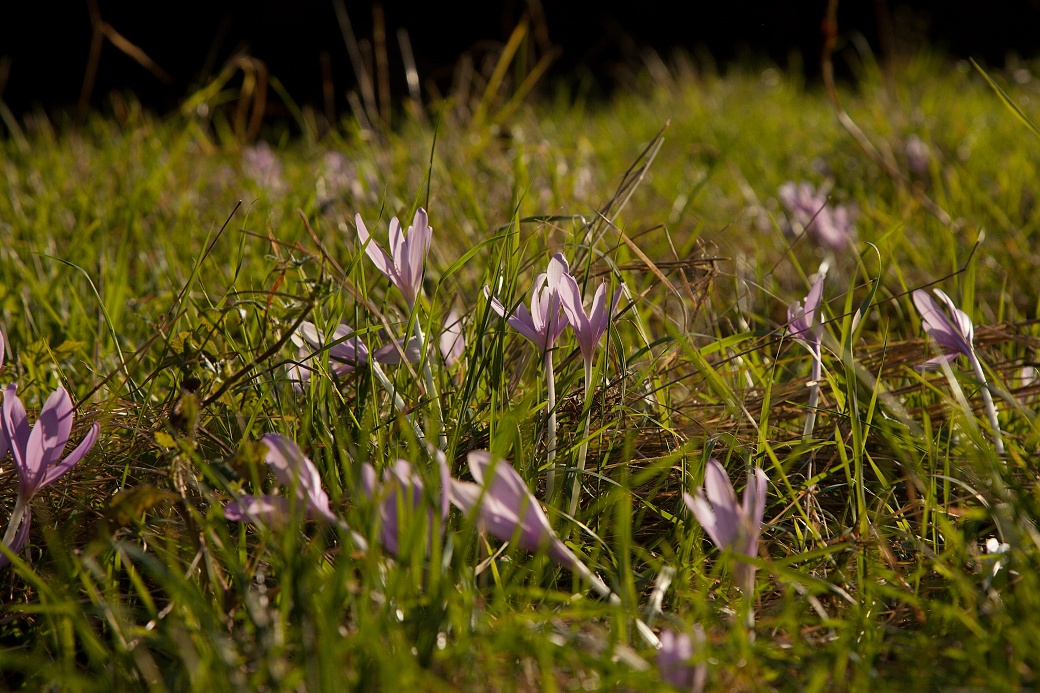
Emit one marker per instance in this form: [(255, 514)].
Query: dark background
[(44, 47)]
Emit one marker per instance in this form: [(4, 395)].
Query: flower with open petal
[(347, 352), (37, 453), (953, 333), (506, 509), (588, 327), (406, 261), (295, 471), (402, 492), (544, 322), (730, 525)]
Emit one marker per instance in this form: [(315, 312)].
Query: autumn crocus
[(805, 323), (405, 262), (808, 210), (404, 266), (731, 526), (953, 331), (673, 660), (543, 324), (505, 509), (588, 329), (346, 351), (296, 472), (37, 453), (400, 494)]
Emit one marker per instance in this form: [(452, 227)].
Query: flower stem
[(991, 410), (15, 521), (814, 394), (431, 389), (398, 402), (550, 386), (583, 451)]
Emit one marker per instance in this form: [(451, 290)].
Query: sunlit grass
[(131, 275)]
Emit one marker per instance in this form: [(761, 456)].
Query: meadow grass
[(159, 267)]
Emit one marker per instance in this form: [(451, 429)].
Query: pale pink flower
[(406, 261), (544, 322), (37, 451), (730, 525)]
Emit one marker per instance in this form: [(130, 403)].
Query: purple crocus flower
[(402, 491), (346, 353), (404, 268), (731, 526), (808, 211), (588, 327), (505, 508), (802, 320), (673, 660), (544, 322), (295, 471), (955, 334), (37, 453)]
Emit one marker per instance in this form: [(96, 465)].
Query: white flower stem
[(431, 389), (550, 386), (991, 410), (814, 394), (398, 402), (583, 451), (15, 521)]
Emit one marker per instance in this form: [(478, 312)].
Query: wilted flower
[(731, 526), (37, 453), (262, 165), (955, 334), (588, 327), (452, 342), (544, 322), (673, 660), (809, 212), (402, 490), (506, 509), (347, 352), (296, 472), (404, 268)]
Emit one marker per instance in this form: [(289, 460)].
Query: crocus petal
[(705, 515), (949, 335), (368, 480), (21, 538), (17, 430), (256, 509), (961, 322), (673, 659), (297, 472), (416, 248), (452, 343), (73, 458), (48, 436), (723, 499), (378, 256), (391, 353)]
